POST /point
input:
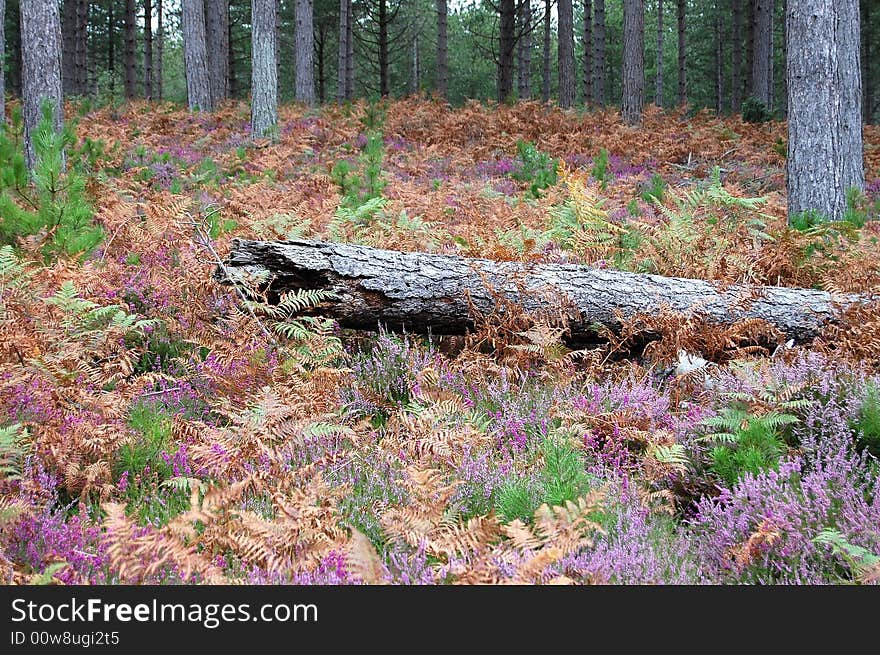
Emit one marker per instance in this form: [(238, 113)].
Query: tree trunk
[(68, 41), (524, 50), (81, 48), (763, 31), (824, 106), (442, 52), (546, 70), (349, 58), (198, 82), (264, 80), (565, 52), (588, 51), (342, 89), (750, 45), (217, 47), (867, 61), (111, 47), (41, 68), (682, 79), (160, 47), (415, 79), (719, 68), (599, 59), (130, 53), (2, 72), (658, 82), (384, 88), (304, 54), (736, 82), (148, 49), (232, 76), (320, 43), (506, 49), (426, 292), (633, 61)]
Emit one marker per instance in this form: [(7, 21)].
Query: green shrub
[(867, 423), (536, 167), (600, 171), (755, 111)]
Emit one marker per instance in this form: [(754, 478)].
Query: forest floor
[(155, 429)]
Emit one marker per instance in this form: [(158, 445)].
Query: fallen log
[(422, 292)]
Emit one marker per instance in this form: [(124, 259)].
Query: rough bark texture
[(565, 52), (524, 51), (2, 58), (588, 51), (384, 82), (68, 37), (424, 292), (868, 54), (304, 53), (546, 70), (633, 60), (129, 56), (506, 48), (148, 49), (658, 81), (599, 58), (264, 80), (320, 45), (763, 30), (343, 90), (442, 49), (682, 77), (195, 54), (41, 67), (719, 67), (160, 47), (217, 46), (736, 82), (824, 105)]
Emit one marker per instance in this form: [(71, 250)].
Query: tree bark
[(682, 71), (148, 49), (304, 54), (2, 72), (506, 49), (198, 82), (719, 68), (415, 79), (160, 48), (633, 61), (217, 47), (41, 68), (68, 39), (130, 52), (524, 51), (825, 154), (426, 292), (658, 82), (384, 85), (343, 92), (264, 80), (736, 82), (599, 59), (588, 51), (546, 82), (565, 53), (320, 43), (442, 49), (763, 30)]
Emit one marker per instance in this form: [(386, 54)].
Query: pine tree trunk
[(824, 106), (566, 53), (111, 47), (682, 73), (761, 57), (736, 81), (264, 81), (217, 47), (658, 82), (2, 72), (148, 49), (524, 50), (546, 70), (130, 52), (868, 53), (198, 82), (442, 49), (320, 43), (719, 68), (304, 52), (384, 84), (588, 51), (416, 73), (41, 68), (68, 46), (599, 59), (506, 49), (349, 58), (232, 76), (342, 76), (81, 48), (750, 46), (160, 49), (633, 61)]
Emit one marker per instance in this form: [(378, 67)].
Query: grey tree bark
[(264, 80), (217, 47), (588, 51), (633, 61), (547, 72), (761, 87), (524, 51), (129, 56), (2, 72), (506, 48), (426, 292), (195, 54), (415, 78), (41, 67), (344, 91), (599, 58), (148, 49), (682, 71), (442, 49), (825, 151), (868, 54), (160, 48), (304, 52), (658, 82), (565, 52), (736, 82), (719, 64), (68, 38)]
